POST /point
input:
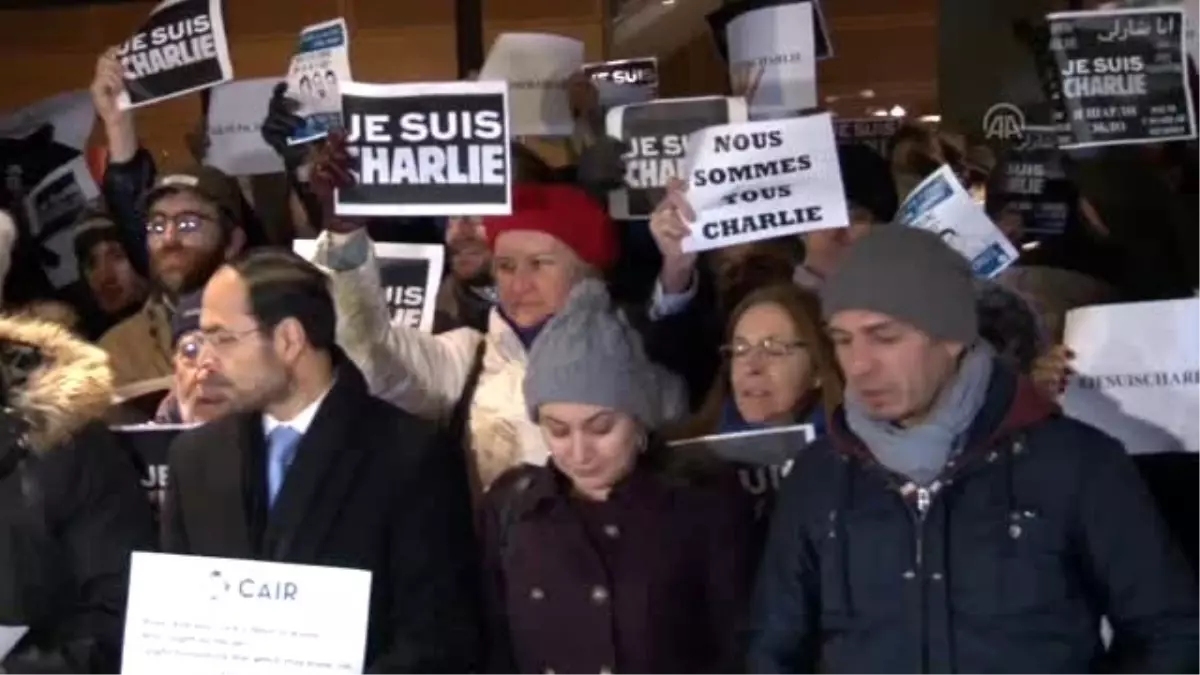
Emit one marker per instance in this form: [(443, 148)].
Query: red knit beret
[(562, 211)]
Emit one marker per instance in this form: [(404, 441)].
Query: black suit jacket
[(371, 487)]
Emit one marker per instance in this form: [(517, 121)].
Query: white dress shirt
[(301, 422)]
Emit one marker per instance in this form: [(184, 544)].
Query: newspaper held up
[(941, 205), (315, 77)]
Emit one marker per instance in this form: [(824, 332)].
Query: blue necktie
[(281, 450)]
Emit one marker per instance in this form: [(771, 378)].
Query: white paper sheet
[(536, 67), (235, 116), (9, 637), (1138, 368), (191, 614)]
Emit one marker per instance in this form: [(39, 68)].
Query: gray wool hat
[(588, 353), (909, 274)]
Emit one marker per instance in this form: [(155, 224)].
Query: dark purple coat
[(654, 580)]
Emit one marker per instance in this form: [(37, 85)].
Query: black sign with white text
[(1032, 182), (149, 444), (410, 276), (624, 82), (873, 132), (427, 149), (657, 135), (762, 458), (1122, 77), (181, 48)]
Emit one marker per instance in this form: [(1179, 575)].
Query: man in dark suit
[(313, 470)]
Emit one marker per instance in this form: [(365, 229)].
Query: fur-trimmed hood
[(54, 382)]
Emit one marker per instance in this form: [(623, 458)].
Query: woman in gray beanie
[(610, 558)]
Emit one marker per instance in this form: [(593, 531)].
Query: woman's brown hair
[(804, 309)]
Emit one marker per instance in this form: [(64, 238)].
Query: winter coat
[(427, 374), (139, 348), (653, 580), (1006, 563), (71, 508)]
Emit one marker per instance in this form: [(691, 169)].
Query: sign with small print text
[(1122, 75), (199, 615)]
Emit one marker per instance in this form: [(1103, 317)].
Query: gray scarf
[(920, 452)]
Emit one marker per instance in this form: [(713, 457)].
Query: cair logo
[(219, 587)]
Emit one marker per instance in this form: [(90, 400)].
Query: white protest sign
[(9, 637), (410, 274), (772, 58), (315, 76), (235, 115), (191, 614), (941, 205), (431, 149), (536, 67), (52, 207), (72, 115), (180, 49), (1138, 373), (761, 180)]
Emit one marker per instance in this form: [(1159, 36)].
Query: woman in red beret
[(556, 236)]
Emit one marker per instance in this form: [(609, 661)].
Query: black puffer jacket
[(1040, 527), (71, 508)]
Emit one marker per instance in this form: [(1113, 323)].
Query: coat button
[(909, 574), (1014, 531), (548, 671), (605, 670), (536, 593), (612, 531), (599, 595), (936, 576)]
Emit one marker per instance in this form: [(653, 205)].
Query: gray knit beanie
[(909, 274), (588, 353)]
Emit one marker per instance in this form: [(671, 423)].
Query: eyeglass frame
[(781, 348), (156, 225)]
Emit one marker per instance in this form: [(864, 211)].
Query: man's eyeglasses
[(772, 347), (190, 346), (186, 223)]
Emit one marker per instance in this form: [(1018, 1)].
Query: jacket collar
[(549, 490), (1013, 403)]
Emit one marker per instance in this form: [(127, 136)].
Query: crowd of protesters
[(509, 478)]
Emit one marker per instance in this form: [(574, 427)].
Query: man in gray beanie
[(952, 520)]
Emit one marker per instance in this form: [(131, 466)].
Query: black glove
[(600, 165), (281, 123)]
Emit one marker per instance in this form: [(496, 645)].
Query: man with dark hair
[(192, 228), (311, 469), (953, 520)]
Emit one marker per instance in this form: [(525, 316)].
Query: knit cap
[(565, 212), (908, 274), (588, 353)]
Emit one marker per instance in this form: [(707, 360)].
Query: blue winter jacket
[(1006, 563)]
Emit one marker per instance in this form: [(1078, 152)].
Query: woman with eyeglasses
[(778, 367)]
